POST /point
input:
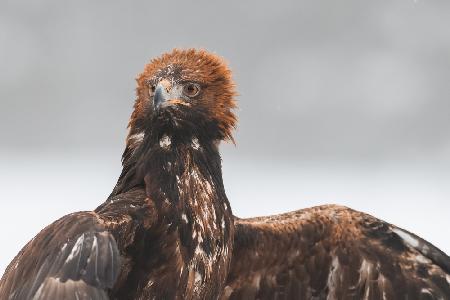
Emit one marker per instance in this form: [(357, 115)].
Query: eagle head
[(185, 93)]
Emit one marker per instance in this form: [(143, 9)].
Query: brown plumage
[(167, 230), (333, 252)]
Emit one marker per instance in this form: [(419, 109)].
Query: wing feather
[(73, 258), (333, 252)]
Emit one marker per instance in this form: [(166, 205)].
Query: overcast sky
[(340, 101)]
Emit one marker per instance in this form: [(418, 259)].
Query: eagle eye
[(191, 89)]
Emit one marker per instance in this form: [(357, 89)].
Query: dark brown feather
[(74, 252), (333, 252)]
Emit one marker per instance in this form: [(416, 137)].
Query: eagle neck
[(184, 178), (193, 226)]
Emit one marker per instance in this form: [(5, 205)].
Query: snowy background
[(340, 102)]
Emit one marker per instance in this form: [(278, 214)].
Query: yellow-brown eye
[(191, 89)]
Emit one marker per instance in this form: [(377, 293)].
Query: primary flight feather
[(167, 230)]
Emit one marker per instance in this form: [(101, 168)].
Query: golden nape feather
[(167, 230)]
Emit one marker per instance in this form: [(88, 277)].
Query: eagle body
[(167, 230)]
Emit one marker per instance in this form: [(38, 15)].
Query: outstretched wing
[(73, 258), (333, 252)]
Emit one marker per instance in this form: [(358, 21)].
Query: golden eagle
[(167, 230)]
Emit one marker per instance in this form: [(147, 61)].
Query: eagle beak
[(160, 96), (166, 95)]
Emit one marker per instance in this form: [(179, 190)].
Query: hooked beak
[(167, 95)]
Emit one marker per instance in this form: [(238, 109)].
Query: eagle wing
[(82, 255), (333, 252), (73, 258)]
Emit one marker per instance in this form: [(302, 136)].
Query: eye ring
[(191, 89)]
